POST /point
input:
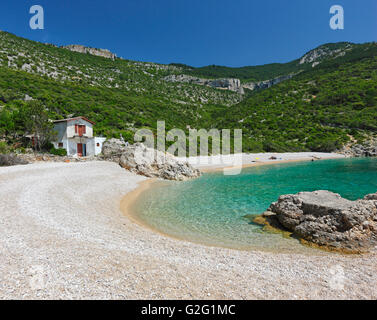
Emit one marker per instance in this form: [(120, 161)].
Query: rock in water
[(153, 163), (326, 219)]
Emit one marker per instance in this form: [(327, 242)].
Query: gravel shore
[(63, 236), (212, 163)]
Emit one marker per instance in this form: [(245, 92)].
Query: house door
[(79, 150)]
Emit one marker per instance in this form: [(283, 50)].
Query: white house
[(76, 136)]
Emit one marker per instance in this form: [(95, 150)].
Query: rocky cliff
[(267, 83), (316, 56), (325, 219), (227, 83), (93, 51), (367, 149)]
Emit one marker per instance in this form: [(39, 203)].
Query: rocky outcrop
[(367, 149), (11, 160), (327, 220), (267, 83), (93, 51), (226, 84), (153, 163), (148, 162), (372, 196), (113, 149), (28, 98), (321, 53)]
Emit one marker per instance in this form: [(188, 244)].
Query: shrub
[(4, 147), (58, 152)]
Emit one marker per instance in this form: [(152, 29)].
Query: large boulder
[(326, 219), (113, 149), (11, 160), (153, 163)]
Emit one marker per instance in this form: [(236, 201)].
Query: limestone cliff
[(267, 83), (93, 51), (226, 83)]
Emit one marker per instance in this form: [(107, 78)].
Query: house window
[(60, 145), (80, 129)]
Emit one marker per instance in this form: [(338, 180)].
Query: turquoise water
[(211, 209)]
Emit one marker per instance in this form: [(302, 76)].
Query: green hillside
[(318, 110), (245, 74), (269, 71), (331, 99), (120, 96)]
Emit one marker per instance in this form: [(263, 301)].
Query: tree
[(38, 125)]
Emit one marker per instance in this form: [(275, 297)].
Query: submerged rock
[(153, 163), (326, 219)]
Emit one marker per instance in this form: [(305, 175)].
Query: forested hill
[(320, 109), (120, 96), (327, 52), (331, 98)]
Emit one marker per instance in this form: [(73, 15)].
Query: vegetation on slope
[(319, 110), (270, 71), (120, 96), (332, 99)]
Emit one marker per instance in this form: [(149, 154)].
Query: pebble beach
[(63, 235)]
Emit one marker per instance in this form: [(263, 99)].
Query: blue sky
[(195, 32)]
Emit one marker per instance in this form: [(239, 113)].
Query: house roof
[(71, 119)]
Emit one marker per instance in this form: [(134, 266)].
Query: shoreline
[(64, 236), (131, 198), (261, 163), (218, 163)]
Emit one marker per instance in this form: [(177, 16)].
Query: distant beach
[(214, 163)]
